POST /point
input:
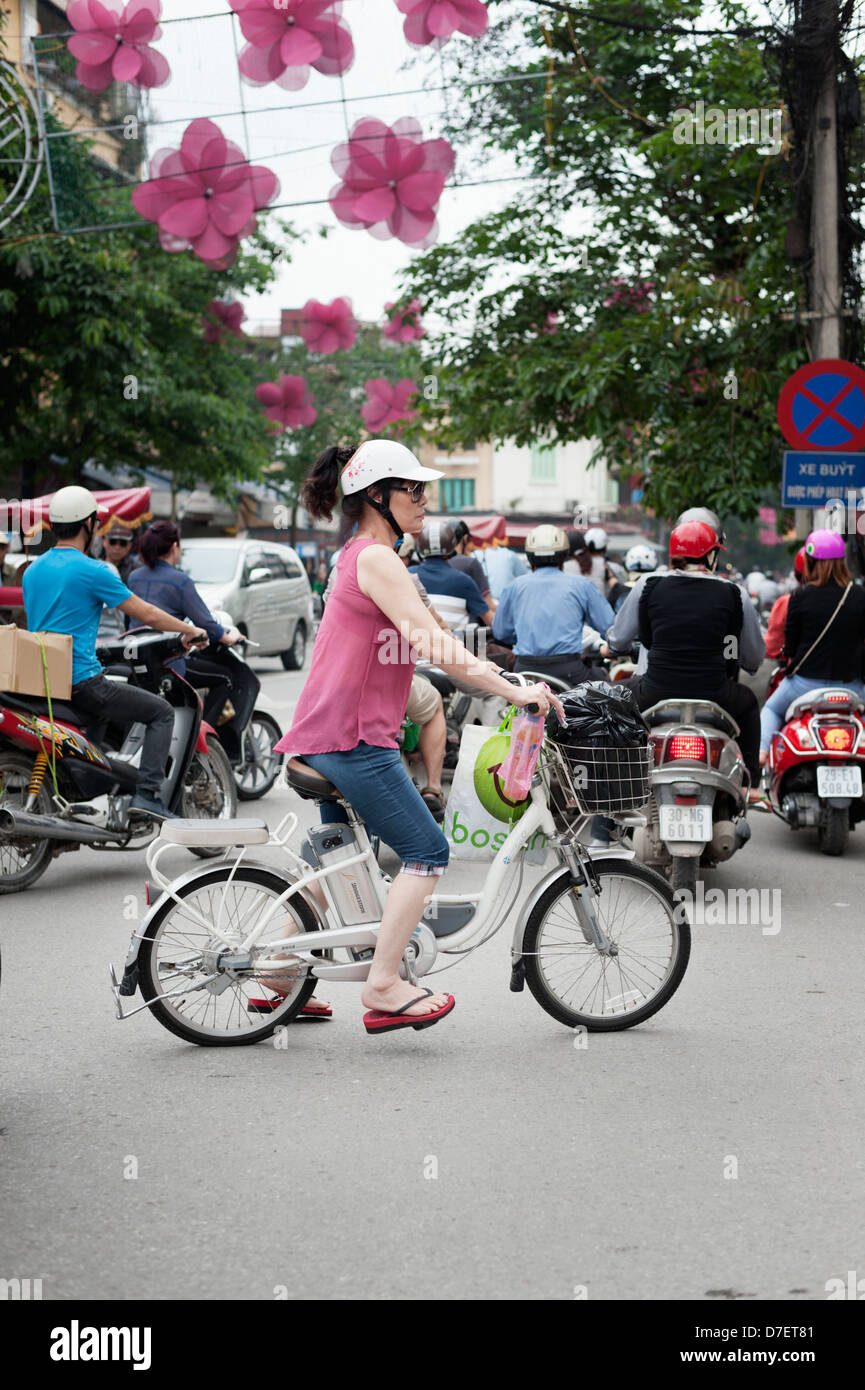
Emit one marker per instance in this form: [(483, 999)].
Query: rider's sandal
[(376, 1021), (436, 804)]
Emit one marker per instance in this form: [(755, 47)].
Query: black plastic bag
[(604, 740), (599, 715)]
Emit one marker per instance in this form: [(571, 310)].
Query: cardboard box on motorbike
[(21, 667)]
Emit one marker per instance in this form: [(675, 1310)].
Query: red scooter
[(814, 770)]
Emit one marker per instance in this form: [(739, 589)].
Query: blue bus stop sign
[(812, 480)]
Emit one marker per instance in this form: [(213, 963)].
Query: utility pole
[(825, 267)]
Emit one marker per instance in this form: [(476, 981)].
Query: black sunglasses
[(121, 540), (415, 492)]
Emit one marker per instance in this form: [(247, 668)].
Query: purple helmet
[(825, 545)]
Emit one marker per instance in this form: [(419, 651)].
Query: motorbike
[(814, 769), (63, 785), (696, 815), (248, 733)]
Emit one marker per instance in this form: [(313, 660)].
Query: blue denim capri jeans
[(377, 785)]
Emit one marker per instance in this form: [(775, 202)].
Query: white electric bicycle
[(600, 940)]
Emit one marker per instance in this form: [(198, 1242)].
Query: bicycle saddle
[(308, 782)]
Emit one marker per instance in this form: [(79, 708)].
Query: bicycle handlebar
[(519, 679)]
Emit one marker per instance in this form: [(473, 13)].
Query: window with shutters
[(542, 465), (456, 494)]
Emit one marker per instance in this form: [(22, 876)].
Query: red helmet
[(799, 562), (691, 540)]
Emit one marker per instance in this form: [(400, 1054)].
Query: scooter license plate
[(839, 781), (686, 822)]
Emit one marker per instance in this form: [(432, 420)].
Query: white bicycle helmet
[(547, 540), (380, 459), (73, 503), (596, 538), (641, 559)]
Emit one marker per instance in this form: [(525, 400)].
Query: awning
[(486, 529), (127, 506)]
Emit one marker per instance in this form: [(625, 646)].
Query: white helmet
[(379, 459), (72, 504), (547, 540), (641, 558), (596, 538)]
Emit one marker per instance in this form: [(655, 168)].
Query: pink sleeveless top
[(358, 683)]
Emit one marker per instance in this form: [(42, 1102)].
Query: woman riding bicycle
[(351, 707)]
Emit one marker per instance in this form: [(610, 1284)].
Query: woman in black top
[(816, 657)]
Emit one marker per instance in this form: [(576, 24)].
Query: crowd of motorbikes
[(65, 785), (696, 817)]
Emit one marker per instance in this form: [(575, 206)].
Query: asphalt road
[(713, 1153)]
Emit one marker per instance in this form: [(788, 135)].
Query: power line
[(309, 105)]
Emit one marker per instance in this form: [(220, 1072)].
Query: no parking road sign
[(822, 406)]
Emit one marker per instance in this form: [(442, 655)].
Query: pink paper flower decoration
[(386, 403), (635, 296), (392, 180), (230, 316), (204, 195), (328, 327), (434, 21), (113, 45), (403, 322), (288, 38), (289, 402)]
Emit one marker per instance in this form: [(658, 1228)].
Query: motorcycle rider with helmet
[(640, 559), (778, 615), (467, 563), (454, 595), (64, 591), (542, 614), (824, 633), (691, 623)]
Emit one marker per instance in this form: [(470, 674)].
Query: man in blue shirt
[(542, 614), (454, 595), (64, 591), (501, 565)]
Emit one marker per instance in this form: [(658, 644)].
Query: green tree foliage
[(663, 261), (102, 353)]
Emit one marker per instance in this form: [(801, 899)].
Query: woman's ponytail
[(321, 489)]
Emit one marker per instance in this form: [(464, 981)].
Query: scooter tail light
[(837, 739), (691, 746), (802, 735)]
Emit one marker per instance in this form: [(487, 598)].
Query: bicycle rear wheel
[(178, 947), (577, 985)]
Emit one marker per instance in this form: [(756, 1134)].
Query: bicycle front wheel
[(578, 985), (180, 966)]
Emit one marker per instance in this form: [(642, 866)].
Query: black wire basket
[(601, 780)]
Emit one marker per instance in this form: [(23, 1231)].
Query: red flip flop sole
[(267, 1006), (378, 1022)]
